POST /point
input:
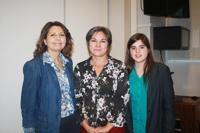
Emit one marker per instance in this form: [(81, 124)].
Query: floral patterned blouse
[(67, 107), (103, 98)]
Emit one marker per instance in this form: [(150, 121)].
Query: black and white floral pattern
[(102, 99)]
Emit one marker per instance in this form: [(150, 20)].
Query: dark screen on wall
[(167, 8)]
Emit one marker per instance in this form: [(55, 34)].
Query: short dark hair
[(96, 29)]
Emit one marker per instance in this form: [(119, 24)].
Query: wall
[(186, 64), (80, 16), (116, 24), (83, 15)]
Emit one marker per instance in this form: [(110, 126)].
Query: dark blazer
[(41, 96), (160, 101)]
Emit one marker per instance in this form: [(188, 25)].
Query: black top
[(102, 99), (160, 101)]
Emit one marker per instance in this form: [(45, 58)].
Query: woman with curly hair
[(48, 98)]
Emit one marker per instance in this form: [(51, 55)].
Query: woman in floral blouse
[(102, 86)]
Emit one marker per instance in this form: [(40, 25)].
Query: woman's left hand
[(104, 129)]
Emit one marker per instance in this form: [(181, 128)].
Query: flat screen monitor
[(167, 8)]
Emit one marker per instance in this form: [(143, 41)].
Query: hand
[(104, 129), (88, 128)]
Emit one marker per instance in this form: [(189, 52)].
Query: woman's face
[(56, 39), (139, 52), (98, 45)]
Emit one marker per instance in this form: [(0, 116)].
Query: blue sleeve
[(29, 94), (29, 130)]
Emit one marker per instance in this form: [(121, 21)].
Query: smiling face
[(98, 45), (56, 39), (139, 52)]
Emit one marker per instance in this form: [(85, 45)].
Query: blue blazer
[(41, 96)]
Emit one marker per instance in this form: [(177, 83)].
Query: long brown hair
[(41, 47), (129, 60)]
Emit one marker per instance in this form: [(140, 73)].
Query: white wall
[(186, 76), (20, 24), (116, 24), (80, 16), (186, 64)]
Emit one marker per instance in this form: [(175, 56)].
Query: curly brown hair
[(41, 47)]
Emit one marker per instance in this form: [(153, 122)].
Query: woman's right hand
[(87, 127)]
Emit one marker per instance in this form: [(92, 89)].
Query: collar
[(47, 58)]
